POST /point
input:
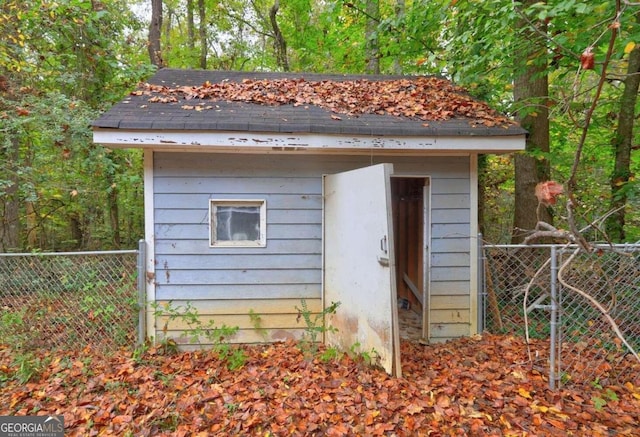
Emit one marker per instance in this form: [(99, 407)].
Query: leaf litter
[(422, 98), (477, 386)]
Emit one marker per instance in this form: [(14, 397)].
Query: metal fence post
[(553, 318), (142, 295)]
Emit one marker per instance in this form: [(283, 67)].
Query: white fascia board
[(266, 142)]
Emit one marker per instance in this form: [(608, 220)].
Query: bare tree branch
[(595, 303)]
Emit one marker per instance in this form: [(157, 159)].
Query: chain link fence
[(571, 298), (69, 300), (588, 347)]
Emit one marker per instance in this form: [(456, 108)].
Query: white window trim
[(261, 242)]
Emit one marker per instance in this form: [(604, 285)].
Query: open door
[(359, 264)]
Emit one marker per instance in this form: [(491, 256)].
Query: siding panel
[(451, 186), (274, 216), (450, 230), (441, 332), (238, 185), (449, 245), (450, 302), (445, 274), (243, 336), (240, 292), (201, 164), (200, 247), (242, 321), (451, 201), (450, 260), (201, 231), (441, 316), (245, 306), (449, 215), (449, 288), (241, 277), (282, 201), (235, 261)]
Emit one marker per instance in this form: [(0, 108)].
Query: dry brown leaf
[(279, 392), (425, 98)]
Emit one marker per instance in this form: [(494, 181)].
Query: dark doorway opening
[(410, 199)]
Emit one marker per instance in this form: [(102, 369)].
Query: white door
[(359, 264)]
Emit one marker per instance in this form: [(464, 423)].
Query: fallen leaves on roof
[(422, 98)]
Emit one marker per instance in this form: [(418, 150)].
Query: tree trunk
[(203, 34), (114, 215), (531, 91), (191, 32), (167, 18), (372, 48), (622, 143), (77, 230), (9, 196), (280, 43), (400, 11), (155, 34), (10, 206), (32, 225)]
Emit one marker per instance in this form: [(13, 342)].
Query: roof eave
[(268, 142)]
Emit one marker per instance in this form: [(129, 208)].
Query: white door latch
[(384, 259)]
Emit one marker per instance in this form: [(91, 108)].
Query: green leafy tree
[(531, 97), (622, 180), (64, 62), (582, 116)]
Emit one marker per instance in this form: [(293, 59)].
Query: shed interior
[(410, 196)]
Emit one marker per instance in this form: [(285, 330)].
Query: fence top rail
[(562, 246), (88, 253)]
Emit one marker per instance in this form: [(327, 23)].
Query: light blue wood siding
[(289, 267)]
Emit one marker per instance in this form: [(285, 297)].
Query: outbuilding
[(267, 190)]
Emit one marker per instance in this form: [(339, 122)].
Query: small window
[(238, 223)]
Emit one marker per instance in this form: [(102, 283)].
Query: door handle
[(383, 244), (383, 260)]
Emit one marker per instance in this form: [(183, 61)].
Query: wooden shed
[(266, 189)]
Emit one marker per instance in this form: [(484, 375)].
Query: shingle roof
[(136, 112)]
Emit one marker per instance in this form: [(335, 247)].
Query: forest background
[(568, 70)]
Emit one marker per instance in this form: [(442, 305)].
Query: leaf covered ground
[(482, 386)]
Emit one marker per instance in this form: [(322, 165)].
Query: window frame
[(260, 203)]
